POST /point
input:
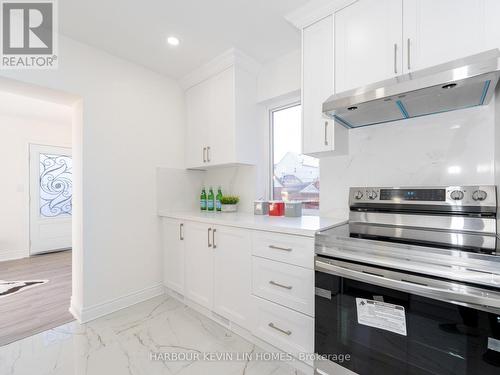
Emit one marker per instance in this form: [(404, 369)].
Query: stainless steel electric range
[(411, 285)]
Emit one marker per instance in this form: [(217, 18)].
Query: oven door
[(390, 322)]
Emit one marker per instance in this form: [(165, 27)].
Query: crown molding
[(315, 10), (229, 58)]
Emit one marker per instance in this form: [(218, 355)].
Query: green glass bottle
[(210, 199), (203, 200), (218, 205)]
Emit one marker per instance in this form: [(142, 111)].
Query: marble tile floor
[(123, 343)]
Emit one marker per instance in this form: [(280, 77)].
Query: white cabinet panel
[(317, 85), (368, 43), (285, 284), (232, 274), (199, 120), (173, 254), (284, 248), (440, 31), (286, 329), (199, 263), (222, 128)]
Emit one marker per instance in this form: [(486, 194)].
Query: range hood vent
[(459, 84)]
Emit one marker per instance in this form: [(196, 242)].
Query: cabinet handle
[(213, 239), (289, 287), (181, 232), (326, 133), (280, 248), (408, 51), (208, 240), (288, 332), (395, 58), (204, 154), (208, 154)]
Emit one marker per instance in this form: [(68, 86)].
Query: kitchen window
[(294, 176)]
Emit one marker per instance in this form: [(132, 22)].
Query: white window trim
[(278, 106)]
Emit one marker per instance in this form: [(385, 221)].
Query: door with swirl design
[(51, 172)]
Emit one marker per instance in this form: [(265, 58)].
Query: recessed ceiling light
[(173, 41)]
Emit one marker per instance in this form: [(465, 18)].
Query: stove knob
[(372, 195), (479, 195), (457, 195), (358, 195)]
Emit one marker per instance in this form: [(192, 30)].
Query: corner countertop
[(302, 226)]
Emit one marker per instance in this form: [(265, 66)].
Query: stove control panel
[(444, 195)]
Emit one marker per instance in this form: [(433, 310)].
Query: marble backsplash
[(451, 148), (179, 189)]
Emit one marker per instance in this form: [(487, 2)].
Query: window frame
[(282, 106)]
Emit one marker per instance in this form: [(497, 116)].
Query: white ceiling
[(137, 30)]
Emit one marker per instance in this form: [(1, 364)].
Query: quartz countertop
[(302, 226)]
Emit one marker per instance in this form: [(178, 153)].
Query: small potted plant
[(229, 203)]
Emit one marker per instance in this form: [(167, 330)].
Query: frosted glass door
[(51, 170)]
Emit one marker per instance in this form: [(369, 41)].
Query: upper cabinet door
[(368, 43), (199, 118), (222, 128), (317, 85), (440, 31)]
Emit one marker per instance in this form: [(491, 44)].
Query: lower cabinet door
[(173, 254), (199, 263), (232, 274)]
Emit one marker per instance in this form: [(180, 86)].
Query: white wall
[(132, 123), (445, 149), (24, 120)]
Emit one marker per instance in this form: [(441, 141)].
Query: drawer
[(285, 284), (284, 248), (286, 329)]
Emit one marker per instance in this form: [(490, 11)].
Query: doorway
[(51, 176), (40, 142)]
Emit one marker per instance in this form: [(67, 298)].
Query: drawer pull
[(280, 285), (280, 248), (288, 333)]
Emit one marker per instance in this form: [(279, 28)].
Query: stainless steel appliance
[(461, 83), (411, 285)]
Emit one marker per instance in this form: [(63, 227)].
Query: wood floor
[(42, 307)]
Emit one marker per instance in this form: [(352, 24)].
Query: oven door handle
[(449, 292)]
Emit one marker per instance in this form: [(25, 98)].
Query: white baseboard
[(13, 254), (86, 314), (76, 310)]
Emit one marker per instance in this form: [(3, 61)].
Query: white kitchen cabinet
[(232, 274), (221, 113), (199, 260), (368, 43), (317, 85), (198, 128), (319, 134), (173, 254), (436, 32)]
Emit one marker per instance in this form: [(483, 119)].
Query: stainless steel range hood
[(459, 84)]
